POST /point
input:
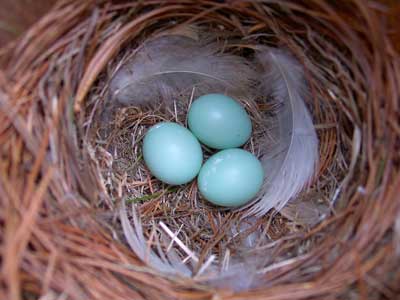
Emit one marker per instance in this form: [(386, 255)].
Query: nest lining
[(114, 134)]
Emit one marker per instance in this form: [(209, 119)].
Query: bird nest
[(75, 190)]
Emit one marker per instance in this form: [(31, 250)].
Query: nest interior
[(65, 170)]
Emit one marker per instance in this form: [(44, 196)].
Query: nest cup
[(70, 160)]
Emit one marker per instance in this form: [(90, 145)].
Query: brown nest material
[(64, 171)]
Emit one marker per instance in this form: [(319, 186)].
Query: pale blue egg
[(219, 121), (231, 178), (172, 153)]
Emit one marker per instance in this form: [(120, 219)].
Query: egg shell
[(172, 153), (219, 121), (231, 178)]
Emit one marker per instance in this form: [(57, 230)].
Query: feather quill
[(165, 67), (292, 154)]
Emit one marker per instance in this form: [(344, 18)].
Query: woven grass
[(61, 183)]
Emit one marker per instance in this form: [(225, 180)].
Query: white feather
[(240, 274), (167, 66), (291, 156), (137, 242)]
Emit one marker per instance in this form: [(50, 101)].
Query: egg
[(231, 178), (219, 121), (172, 153)]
